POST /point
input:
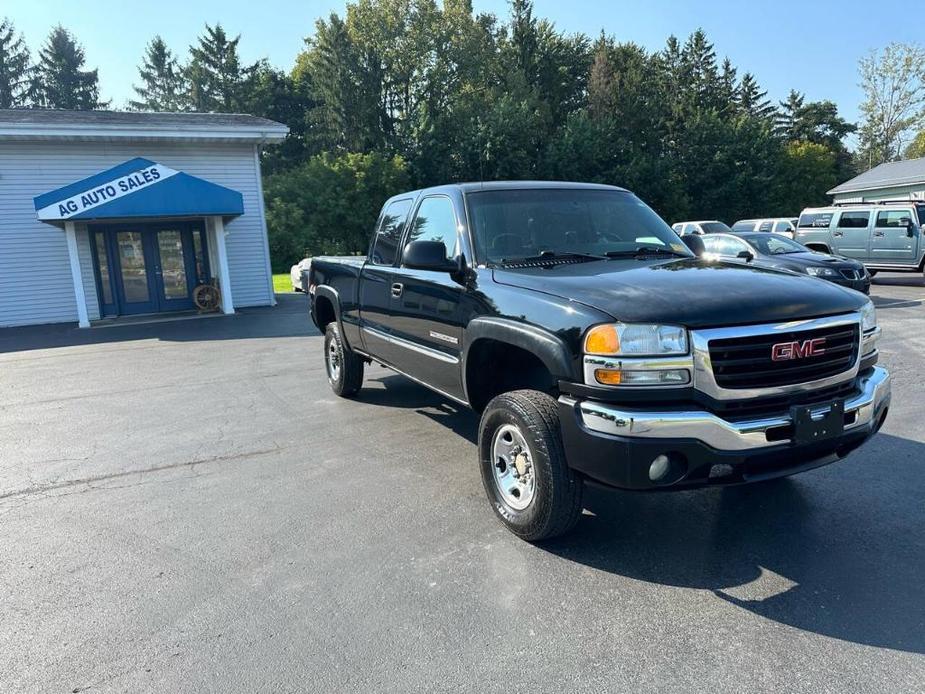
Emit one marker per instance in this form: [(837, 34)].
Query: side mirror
[(695, 243), (746, 256), (428, 255)]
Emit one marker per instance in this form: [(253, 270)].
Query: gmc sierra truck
[(598, 346)]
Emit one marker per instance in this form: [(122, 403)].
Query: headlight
[(637, 340), (821, 272), (868, 316)]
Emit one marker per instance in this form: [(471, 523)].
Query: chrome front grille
[(735, 363), (748, 362), (850, 274)]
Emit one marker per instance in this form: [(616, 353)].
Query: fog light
[(659, 467)]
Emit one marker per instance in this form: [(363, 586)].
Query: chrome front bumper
[(721, 434)]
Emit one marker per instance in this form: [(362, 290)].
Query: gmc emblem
[(785, 351)]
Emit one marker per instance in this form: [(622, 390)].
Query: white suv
[(779, 225), (707, 226)]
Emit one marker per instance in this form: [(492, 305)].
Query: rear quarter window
[(815, 220)]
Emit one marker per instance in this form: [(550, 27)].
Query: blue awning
[(138, 188)]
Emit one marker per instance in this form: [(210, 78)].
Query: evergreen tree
[(752, 100), (601, 82), (217, 80), (162, 85), (14, 67), (59, 80), (788, 116)]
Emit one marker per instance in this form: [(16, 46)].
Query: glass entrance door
[(174, 266), (148, 268)]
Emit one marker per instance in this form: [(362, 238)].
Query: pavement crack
[(41, 489)]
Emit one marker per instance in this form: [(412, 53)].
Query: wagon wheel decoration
[(207, 297)]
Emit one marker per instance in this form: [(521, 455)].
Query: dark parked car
[(596, 346), (775, 251)]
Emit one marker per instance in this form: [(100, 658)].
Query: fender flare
[(548, 348), (329, 293)]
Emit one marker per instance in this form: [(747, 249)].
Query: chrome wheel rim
[(512, 467), (333, 360)]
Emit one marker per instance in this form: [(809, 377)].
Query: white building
[(895, 180), (104, 214)]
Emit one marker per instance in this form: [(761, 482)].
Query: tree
[(752, 100), (14, 67), (894, 106), (216, 79), (916, 148), (59, 80), (810, 171), (162, 85), (329, 204)]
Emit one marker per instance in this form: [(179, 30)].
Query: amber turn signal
[(609, 377), (602, 339)]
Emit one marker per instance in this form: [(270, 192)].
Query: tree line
[(397, 94)]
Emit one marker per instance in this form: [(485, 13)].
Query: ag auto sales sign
[(106, 192)]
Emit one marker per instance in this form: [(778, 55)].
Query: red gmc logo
[(785, 351)]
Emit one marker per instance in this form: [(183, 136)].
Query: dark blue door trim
[(105, 249)]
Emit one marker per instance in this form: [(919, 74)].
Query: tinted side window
[(766, 225), (853, 220), (744, 225), (388, 235), (921, 214), (436, 221), (894, 218)]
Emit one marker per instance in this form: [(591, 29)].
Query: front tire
[(344, 367), (530, 486)]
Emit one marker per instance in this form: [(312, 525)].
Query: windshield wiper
[(551, 256), (644, 251)]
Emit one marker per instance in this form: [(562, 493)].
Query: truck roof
[(477, 186)]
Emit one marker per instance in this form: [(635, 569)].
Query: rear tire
[(344, 367), (531, 488)]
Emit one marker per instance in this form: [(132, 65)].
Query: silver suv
[(882, 235)]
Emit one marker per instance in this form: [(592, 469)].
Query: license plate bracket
[(812, 424)]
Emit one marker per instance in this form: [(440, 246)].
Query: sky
[(811, 45)]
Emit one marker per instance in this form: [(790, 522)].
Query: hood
[(690, 292)]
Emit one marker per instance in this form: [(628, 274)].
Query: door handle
[(397, 289), (878, 233), (838, 233)]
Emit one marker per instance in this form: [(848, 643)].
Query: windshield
[(775, 244), (714, 228), (511, 224)]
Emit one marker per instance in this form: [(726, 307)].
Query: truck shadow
[(399, 391), (837, 552)]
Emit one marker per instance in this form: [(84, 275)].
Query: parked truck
[(598, 347)]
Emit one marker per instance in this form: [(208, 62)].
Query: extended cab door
[(376, 280), (851, 235), (896, 237), (426, 310)]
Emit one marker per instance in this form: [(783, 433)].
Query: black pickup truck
[(598, 347)]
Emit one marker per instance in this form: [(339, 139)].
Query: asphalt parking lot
[(185, 506)]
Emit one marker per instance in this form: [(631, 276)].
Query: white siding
[(914, 192), (35, 283)]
